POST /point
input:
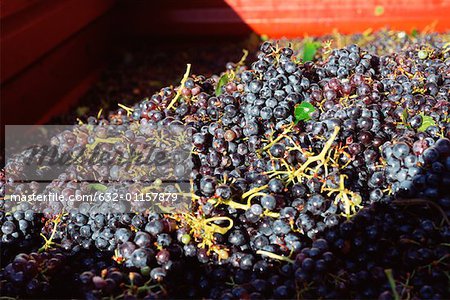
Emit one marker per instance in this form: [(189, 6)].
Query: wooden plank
[(28, 35), (34, 92), (11, 7), (71, 97)]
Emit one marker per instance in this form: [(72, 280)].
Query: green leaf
[(309, 50), (404, 116), (222, 81), (427, 121), (98, 187), (303, 111), (379, 10), (414, 32)]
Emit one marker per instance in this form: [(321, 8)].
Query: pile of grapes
[(139, 71), (315, 174)]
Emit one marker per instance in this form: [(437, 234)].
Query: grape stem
[(392, 283), (204, 229), (320, 156), (49, 241), (117, 257), (350, 199), (275, 256), (241, 206), (129, 110), (254, 190), (183, 81), (279, 137)]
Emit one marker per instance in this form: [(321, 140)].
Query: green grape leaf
[(309, 50), (98, 187), (427, 121), (303, 111), (405, 118), (222, 81)]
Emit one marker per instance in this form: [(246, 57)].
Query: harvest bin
[(53, 51)]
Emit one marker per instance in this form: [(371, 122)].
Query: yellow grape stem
[(320, 156), (275, 256), (183, 81)]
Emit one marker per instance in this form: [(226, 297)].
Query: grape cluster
[(353, 260), (318, 179), (23, 224), (31, 274), (409, 180)]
